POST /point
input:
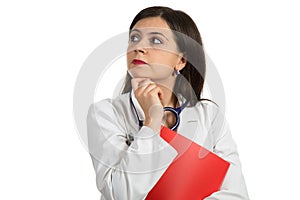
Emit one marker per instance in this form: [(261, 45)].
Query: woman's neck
[(169, 98)]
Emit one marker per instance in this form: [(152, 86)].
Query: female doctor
[(164, 70)]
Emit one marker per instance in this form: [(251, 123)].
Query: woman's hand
[(149, 96)]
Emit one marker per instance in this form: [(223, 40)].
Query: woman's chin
[(136, 73)]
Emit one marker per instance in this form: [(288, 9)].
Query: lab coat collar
[(137, 106)]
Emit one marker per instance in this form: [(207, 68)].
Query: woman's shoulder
[(207, 104), (208, 108), (111, 103)]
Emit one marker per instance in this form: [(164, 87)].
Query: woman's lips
[(138, 62)]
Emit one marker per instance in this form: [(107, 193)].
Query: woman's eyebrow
[(135, 30), (151, 33), (158, 33)]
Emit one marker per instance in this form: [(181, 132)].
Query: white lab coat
[(129, 160)]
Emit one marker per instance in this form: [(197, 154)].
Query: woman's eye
[(156, 41), (134, 38)]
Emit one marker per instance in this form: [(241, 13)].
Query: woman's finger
[(149, 87), (145, 82), (135, 82), (156, 90)]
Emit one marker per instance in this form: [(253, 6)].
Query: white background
[(254, 45)]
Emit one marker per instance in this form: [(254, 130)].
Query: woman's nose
[(140, 50), (141, 47)]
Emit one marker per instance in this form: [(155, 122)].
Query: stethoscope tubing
[(175, 111)]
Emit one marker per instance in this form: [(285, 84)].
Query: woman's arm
[(124, 171), (233, 187)]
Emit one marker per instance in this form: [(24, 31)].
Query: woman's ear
[(181, 62)]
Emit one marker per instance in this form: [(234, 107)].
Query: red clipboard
[(193, 175)]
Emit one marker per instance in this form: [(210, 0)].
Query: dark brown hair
[(191, 79)]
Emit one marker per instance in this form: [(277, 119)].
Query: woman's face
[(152, 51)]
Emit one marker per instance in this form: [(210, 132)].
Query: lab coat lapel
[(189, 123)]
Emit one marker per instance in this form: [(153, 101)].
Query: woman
[(165, 69)]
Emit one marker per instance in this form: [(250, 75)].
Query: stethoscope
[(175, 111)]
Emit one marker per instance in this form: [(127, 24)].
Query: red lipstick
[(138, 62)]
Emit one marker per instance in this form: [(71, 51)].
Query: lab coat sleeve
[(123, 170), (233, 186)]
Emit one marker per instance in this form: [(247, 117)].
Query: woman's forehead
[(153, 22), (153, 25)]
